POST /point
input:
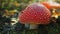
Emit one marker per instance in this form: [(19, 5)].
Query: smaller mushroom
[(51, 5)]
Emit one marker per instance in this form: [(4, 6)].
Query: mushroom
[(51, 5), (35, 14)]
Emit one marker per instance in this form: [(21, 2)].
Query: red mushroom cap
[(35, 14)]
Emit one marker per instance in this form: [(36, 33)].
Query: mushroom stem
[(27, 25), (33, 26)]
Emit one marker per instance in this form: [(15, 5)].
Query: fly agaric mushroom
[(35, 14)]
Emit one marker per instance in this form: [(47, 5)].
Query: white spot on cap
[(35, 15)]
